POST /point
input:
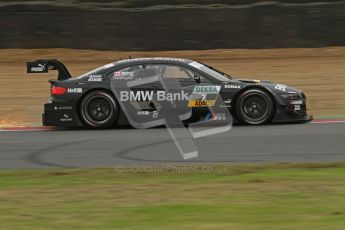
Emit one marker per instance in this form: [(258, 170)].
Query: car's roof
[(151, 59), (134, 61)]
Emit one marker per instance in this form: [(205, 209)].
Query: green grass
[(274, 196)]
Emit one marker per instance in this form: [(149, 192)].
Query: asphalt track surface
[(313, 142)]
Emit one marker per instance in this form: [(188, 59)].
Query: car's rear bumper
[(60, 114)]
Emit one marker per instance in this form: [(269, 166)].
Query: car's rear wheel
[(98, 109), (254, 107)]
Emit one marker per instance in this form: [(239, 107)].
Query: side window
[(136, 72), (182, 73), (173, 71), (166, 72)]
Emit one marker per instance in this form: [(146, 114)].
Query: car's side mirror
[(197, 79)]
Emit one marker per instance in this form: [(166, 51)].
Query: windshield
[(221, 76)]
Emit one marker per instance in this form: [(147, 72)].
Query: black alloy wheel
[(254, 107), (99, 109)]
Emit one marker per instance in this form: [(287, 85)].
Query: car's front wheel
[(98, 109), (254, 107)]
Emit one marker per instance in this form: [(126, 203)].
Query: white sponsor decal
[(148, 96), (232, 86), (95, 78), (228, 101), (65, 118), (74, 90), (40, 68), (119, 75), (281, 87), (62, 107), (206, 89)]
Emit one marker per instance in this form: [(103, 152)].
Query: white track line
[(28, 129), (326, 122), (15, 129)]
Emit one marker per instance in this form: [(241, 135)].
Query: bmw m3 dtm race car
[(120, 92)]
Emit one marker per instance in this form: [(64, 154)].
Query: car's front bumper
[(293, 111)]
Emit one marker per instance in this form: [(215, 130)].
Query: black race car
[(136, 90)]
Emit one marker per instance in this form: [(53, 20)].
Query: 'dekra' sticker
[(204, 96)]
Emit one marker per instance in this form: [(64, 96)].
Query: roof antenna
[(130, 57)]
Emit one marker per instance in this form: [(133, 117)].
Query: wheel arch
[(92, 90)]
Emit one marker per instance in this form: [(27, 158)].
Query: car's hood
[(276, 87)]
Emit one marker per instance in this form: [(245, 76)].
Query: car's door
[(183, 80), (136, 85)]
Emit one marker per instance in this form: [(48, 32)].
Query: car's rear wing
[(44, 65)]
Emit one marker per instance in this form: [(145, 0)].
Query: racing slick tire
[(254, 107), (99, 109)]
